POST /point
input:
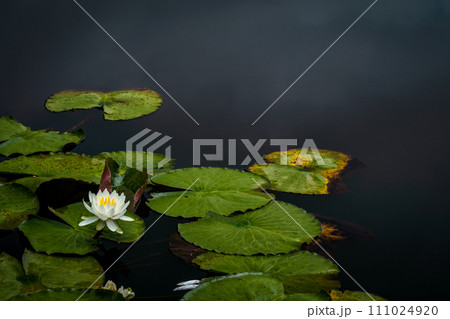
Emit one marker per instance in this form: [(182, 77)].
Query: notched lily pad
[(211, 189), (300, 272), (21, 140), (117, 105), (17, 202), (295, 172), (268, 230)]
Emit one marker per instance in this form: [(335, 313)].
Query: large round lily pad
[(211, 189), (16, 203), (72, 213), (300, 272), (49, 236), (268, 230), (117, 105), (295, 172), (245, 287)]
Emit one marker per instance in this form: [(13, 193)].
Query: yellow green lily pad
[(295, 172), (117, 105)]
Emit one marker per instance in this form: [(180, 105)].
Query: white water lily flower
[(106, 208)]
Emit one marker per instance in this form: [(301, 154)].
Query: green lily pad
[(71, 295), (16, 203), (72, 213), (268, 230), (117, 105), (244, 287), (300, 272), (10, 128), (40, 141), (57, 165), (294, 172), (32, 182), (140, 159), (42, 232), (347, 295), (63, 272), (219, 190), (45, 167), (10, 270), (40, 272)]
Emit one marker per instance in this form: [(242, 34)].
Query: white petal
[(112, 225), (126, 218), (88, 221), (119, 215), (102, 213), (87, 206)]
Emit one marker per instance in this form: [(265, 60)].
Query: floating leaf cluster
[(254, 246)]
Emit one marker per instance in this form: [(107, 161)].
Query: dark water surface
[(381, 94)]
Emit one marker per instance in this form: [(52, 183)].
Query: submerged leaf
[(268, 230), (117, 105), (42, 232), (295, 172), (16, 203), (211, 189), (300, 272)]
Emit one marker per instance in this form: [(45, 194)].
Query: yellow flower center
[(106, 200)]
